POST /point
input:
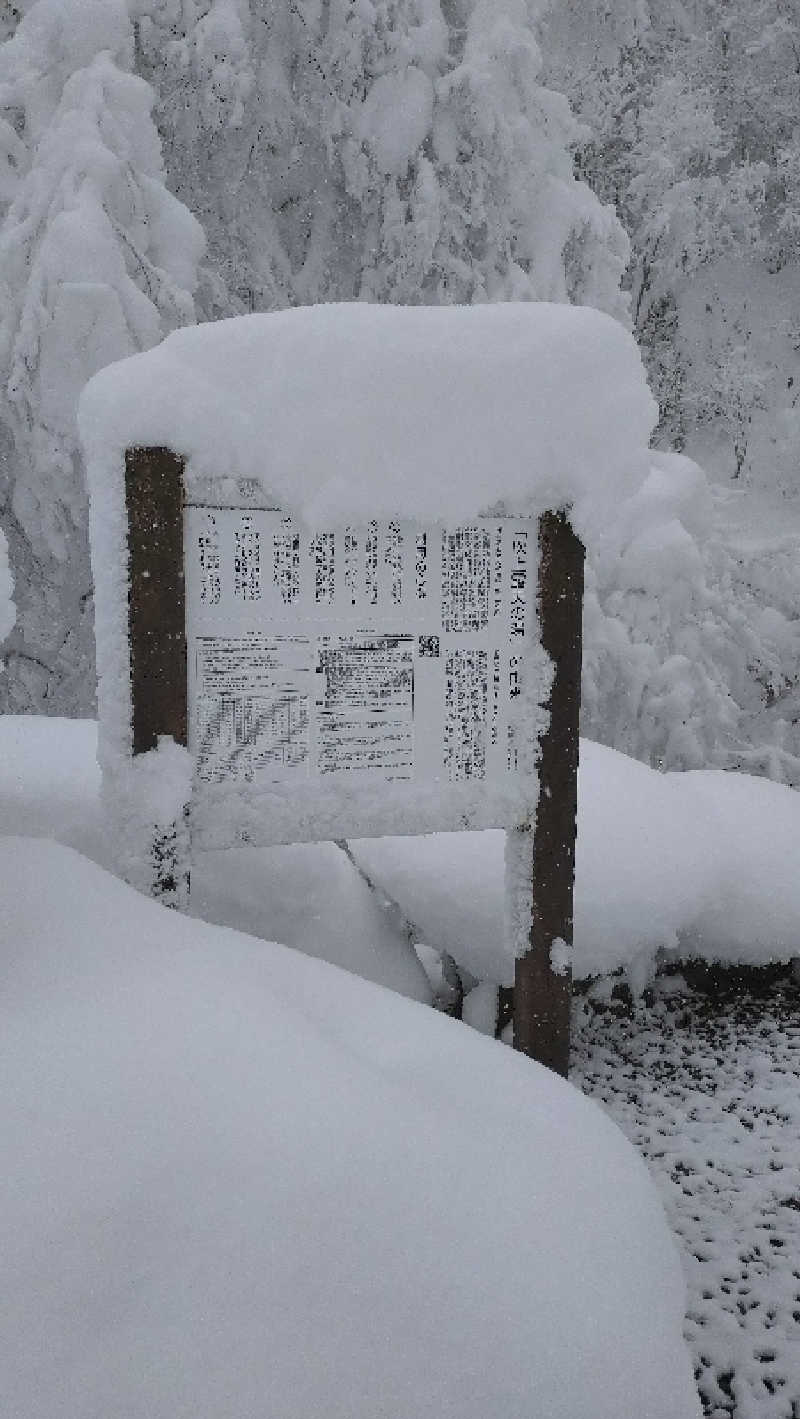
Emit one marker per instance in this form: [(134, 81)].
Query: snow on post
[(374, 508)]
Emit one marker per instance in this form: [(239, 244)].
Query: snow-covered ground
[(709, 1091), (241, 1182), (708, 1097)]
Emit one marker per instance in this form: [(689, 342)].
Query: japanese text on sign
[(387, 652)]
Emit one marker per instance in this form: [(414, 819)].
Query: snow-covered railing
[(339, 560)]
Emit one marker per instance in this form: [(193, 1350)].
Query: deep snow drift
[(241, 1182)]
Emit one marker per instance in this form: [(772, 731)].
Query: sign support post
[(157, 634), (543, 981)]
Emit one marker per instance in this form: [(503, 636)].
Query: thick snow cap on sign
[(348, 412)]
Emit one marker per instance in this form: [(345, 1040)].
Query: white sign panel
[(370, 658)]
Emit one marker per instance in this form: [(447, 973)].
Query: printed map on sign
[(388, 653)]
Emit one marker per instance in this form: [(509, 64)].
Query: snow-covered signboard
[(338, 556), (391, 655)]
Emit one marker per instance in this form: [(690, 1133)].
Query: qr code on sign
[(429, 645)]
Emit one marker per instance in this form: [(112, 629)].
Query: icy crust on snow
[(353, 411), (242, 1182)]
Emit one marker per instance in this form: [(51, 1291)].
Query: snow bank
[(307, 896), (701, 863), (240, 1182), (346, 412)]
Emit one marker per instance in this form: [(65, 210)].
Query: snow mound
[(241, 1182), (348, 412), (700, 863)]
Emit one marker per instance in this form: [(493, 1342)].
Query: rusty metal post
[(157, 633), (542, 995)]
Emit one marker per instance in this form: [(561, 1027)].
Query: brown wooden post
[(542, 997), (157, 632), (156, 597)]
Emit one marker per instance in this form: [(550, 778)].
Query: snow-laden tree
[(393, 150), (464, 173), (692, 111), (689, 205), (692, 644), (692, 632), (97, 260), (397, 150), (664, 149)]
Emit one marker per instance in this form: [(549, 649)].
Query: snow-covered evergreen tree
[(97, 260)]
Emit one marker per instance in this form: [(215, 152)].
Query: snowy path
[(712, 1098)]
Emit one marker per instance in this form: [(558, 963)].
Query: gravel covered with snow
[(710, 1094)]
